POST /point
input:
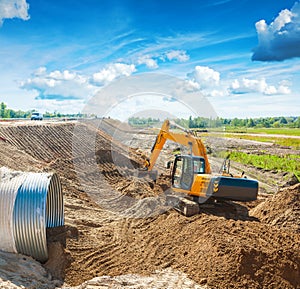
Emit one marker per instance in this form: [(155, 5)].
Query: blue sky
[(243, 55)]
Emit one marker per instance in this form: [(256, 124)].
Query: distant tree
[(250, 123), (266, 123), (2, 109), (283, 120), (297, 122), (235, 122), (191, 123)]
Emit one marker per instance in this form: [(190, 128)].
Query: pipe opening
[(36, 203)]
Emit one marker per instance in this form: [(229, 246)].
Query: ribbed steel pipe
[(9, 184), (38, 204)]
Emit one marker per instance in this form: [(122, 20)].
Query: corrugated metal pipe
[(29, 203)]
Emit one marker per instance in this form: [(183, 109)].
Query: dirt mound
[(53, 141), (224, 252), (282, 210), (18, 271), (43, 142), (16, 159)]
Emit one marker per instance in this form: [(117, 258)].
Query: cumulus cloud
[(205, 76), (152, 60), (253, 85), (179, 55), (191, 85), (207, 81), (281, 39), (13, 9), (59, 85), (67, 85), (148, 61), (113, 71)]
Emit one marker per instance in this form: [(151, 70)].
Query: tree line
[(10, 113), (202, 122), (191, 122), (262, 122), (141, 121)]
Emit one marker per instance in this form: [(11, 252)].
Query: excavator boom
[(187, 139)]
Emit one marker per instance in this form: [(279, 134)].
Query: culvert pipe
[(36, 204)]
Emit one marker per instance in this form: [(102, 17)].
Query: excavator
[(192, 180)]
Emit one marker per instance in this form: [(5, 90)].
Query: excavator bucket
[(235, 189), (152, 175)]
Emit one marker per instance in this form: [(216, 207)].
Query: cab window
[(183, 172), (199, 166)]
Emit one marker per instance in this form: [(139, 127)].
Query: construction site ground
[(118, 231)]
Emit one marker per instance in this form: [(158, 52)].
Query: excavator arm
[(187, 139)]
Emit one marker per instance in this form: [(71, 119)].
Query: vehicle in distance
[(36, 116)]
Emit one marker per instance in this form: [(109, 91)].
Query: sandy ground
[(118, 232)]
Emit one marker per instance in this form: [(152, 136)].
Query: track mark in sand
[(100, 260)]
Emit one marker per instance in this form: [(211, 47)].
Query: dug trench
[(225, 246)]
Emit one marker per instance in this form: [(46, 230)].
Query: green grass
[(290, 142), (286, 163), (281, 131)]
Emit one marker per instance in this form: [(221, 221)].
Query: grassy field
[(286, 163), (280, 131), (290, 142)]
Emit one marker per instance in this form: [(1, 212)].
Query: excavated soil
[(224, 246), (282, 210)]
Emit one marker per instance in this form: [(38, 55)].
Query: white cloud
[(283, 90), (253, 85), (217, 93), (148, 61), (205, 76), (63, 106), (179, 55), (207, 81), (113, 71), (67, 85), (13, 9), (151, 60), (281, 39), (40, 71), (191, 85), (65, 75), (59, 85)]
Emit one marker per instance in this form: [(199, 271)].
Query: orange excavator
[(192, 180)]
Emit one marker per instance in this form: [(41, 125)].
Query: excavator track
[(183, 205)]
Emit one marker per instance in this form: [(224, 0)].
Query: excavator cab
[(184, 169)]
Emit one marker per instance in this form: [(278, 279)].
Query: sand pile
[(282, 211), (212, 250), (17, 159)]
